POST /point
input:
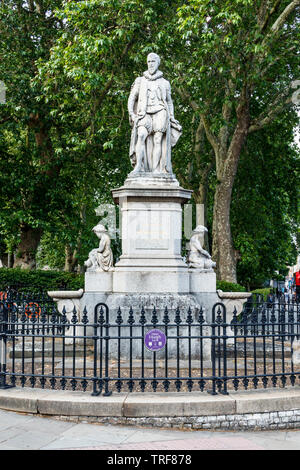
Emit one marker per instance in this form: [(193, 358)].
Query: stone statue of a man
[(198, 257), (101, 258), (154, 128)]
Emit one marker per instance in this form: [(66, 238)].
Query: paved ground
[(22, 432)]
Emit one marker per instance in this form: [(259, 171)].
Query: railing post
[(224, 321), (219, 339), (213, 352), (107, 392), (3, 346), (95, 380), (106, 338)]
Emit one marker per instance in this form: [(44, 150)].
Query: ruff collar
[(155, 76)]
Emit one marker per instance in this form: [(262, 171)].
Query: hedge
[(264, 292), (38, 280), (230, 287)]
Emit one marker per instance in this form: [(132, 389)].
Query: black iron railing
[(128, 350)]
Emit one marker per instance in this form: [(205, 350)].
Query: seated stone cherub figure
[(198, 257), (101, 258)]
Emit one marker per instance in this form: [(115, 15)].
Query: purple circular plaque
[(155, 340)]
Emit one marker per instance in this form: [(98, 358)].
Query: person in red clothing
[(297, 283)]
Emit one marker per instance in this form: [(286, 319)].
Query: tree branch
[(213, 140), (263, 22), (284, 15), (266, 118)]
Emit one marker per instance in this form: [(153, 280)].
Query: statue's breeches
[(156, 122)]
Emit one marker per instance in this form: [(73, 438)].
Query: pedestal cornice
[(158, 193)]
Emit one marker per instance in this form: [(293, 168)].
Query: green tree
[(29, 165), (236, 74), (264, 204), (86, 82), (64, 132), (68, 67)]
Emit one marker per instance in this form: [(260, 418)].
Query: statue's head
[(99, 229), (153, 61), (200, 229)]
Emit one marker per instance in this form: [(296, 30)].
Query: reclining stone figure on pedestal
[(154, 128), (198, 257), (101, 258)]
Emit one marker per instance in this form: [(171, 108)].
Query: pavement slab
[(221, 443)]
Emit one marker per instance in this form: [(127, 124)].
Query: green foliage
[(264, 292), (230, 287), (28, 169), (38, 280), (66, 114), (264, 208), (236, 76), (64, 133)]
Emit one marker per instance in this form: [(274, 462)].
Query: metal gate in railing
[(149, 350)]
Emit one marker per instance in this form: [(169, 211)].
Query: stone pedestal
[(202, 281), (151, 271), (151, 231), (151, 228), (151, 234), (98, 281)]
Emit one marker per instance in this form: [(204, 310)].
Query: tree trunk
[(223, 252), (70, 259), (26, 251), (226, 164), (10, 260)]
